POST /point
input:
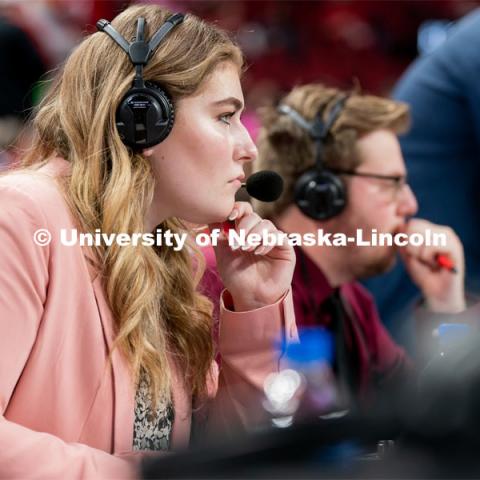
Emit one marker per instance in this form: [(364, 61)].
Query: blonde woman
[(106, 349)]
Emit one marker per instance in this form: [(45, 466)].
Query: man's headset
[(318, 192), (145, 115)]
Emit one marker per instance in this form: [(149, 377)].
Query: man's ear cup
[(320, 195)]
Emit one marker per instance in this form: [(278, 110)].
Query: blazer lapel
[(123, 391), (124, 395)]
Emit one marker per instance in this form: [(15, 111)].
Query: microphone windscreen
[(266, 186)]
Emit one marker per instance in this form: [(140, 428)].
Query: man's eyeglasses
[(397, 181)]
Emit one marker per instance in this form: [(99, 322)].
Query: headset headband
[(317, 129), (136, 55), (140, 51)]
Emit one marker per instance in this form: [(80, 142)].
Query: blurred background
[(344, 43)]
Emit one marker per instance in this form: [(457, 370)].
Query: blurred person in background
[(360, 153), (442, 155)]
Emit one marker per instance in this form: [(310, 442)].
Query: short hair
[(287, 148)]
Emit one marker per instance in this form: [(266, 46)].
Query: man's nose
[(407, 204)]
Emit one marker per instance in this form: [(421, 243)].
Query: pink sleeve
[(28, 454), (249, 347), (23, 291)]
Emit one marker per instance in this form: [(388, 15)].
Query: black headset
[(145, 115), (318, 192)]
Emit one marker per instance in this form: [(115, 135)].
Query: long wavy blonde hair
[(151, 291)]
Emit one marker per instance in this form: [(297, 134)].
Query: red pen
[(446, 262)]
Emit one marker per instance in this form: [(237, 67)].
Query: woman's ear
[(147, 152)]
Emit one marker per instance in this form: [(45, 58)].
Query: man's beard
[(379, 265)]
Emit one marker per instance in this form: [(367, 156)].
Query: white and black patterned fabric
[(151, 429)]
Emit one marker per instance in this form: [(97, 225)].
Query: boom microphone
[(266, 186)]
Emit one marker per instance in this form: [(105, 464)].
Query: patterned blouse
[(151, 430)]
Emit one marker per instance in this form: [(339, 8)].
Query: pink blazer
[(64, 413)]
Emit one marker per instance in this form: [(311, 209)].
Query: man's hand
[(442, 289)]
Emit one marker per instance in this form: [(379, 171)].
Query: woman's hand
[(254, 276)]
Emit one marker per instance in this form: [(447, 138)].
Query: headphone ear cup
[(145, 116), (320, 195)]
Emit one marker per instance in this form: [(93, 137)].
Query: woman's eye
[(225, 117)]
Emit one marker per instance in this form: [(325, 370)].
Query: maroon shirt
[(377, 361)]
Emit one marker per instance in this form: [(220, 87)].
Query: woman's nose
[(246, 149)]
